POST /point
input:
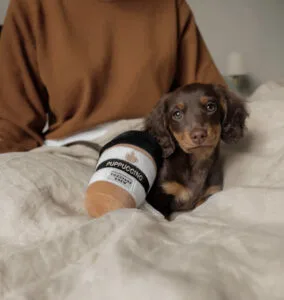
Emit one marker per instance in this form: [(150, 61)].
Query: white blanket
[(231, 247)]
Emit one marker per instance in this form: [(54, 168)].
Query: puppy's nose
[(198, 135)]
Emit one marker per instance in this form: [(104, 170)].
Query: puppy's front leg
[(214, 182), (184, 196)]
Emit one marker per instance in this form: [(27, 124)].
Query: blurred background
[(245, 37), (251, 28)]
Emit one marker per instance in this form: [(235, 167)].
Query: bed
[(231, 247)]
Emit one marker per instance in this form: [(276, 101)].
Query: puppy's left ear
[(156, 124), (235, 115)]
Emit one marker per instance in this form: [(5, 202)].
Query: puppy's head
[(195, 117)]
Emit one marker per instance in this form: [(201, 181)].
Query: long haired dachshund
[(189, 125)]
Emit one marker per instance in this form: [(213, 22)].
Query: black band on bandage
[(128, 168)]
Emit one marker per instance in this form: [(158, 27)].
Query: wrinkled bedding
[(231, 247)]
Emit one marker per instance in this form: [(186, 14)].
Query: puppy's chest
[(185, 172), (184, 181)]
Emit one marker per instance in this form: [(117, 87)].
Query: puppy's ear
[(235, 115), (156, 124)]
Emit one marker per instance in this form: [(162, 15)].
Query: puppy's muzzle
[(198, 136)]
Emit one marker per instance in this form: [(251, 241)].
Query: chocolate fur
[(190, 171)]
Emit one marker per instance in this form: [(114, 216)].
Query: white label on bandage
[(129, 168)]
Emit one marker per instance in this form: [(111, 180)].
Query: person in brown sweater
[(81, 64)]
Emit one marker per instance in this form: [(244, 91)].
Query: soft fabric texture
[(42, 191), (87, 63), (231, 247)]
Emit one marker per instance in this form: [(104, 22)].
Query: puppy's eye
[(177, 115), (211, 107)]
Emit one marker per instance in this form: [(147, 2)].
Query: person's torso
[(102, 61)]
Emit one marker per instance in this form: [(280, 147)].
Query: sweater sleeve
[(22, 113), (195, 63)]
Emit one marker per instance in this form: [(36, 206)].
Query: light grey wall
[(254, 28), (3, 7)]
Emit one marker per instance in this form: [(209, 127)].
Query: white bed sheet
[(232, 247)]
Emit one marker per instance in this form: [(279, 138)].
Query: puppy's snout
[(198, 136)]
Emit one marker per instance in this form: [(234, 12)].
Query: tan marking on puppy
[(223, 104), (203, 100), (200, 202), (186, 144), (214, 133), (176, 189), (211, 190), (183, 139), (180, 106)]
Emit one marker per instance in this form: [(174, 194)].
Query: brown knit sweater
[(91, 61)]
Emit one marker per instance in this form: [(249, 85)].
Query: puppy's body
[(189, 124), (185, 182)]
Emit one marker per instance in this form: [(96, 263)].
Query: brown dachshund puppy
[(189, 124)]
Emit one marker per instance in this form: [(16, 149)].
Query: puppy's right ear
[(156, 124), (235, 115)]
